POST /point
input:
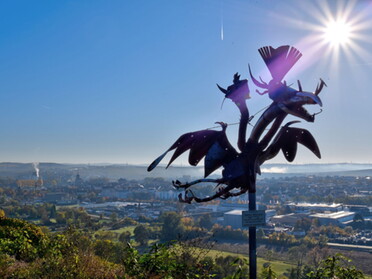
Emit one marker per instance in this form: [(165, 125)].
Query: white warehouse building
[(340, 218)]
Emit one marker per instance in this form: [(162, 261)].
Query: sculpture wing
[(205, 143), (287, 140), (306, 139), (279, 60), (219, 154)]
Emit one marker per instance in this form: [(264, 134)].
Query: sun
[(333, 32), (337, 33)]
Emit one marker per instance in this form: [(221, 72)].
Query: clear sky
[(118, 81)]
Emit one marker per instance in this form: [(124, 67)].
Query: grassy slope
[(123, 229), (278, 266)]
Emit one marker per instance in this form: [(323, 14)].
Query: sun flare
[(337, 33)]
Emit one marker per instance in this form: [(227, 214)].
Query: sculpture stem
[(271, 133), (244, 117), (272, 112)]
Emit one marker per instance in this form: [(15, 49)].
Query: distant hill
[(139, 172), (362, 173), (367, 172), (116, 171)]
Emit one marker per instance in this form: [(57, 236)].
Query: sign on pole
[(253, 218)]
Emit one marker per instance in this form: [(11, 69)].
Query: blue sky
[(119, 81)]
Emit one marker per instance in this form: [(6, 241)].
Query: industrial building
[(288, 219), (233, 218), (315, 207), (341, 218)]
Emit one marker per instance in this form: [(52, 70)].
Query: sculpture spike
[(223, 90), (319, 87), (299, 86), (255, 81)]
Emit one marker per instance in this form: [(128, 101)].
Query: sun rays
[(334, 30)]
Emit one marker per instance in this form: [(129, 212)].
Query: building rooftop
[(305, 204), (333, 215), (234, 212)]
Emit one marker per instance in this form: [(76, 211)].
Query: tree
[(298, 253), (45, 220), (316, 255), (172, 227), (303, 224), (53, 211), (110, 250), (114, 217), (349, 230), (323, 240), (144, 219), (315, 223), (141, 234), (124, 237), (205, 221), (23, 240), (61, 218)]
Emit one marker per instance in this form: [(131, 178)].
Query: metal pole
[(252, 240)]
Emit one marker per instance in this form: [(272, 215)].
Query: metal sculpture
[(241, 168)]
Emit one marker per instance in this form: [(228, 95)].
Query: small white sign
[(254, 218)]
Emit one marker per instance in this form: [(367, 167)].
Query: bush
[(335, 267), (23, 240)]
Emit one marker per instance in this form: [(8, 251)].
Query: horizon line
[(175, 165)]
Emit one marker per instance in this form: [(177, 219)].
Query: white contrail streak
[(222, 31), (221, 20)]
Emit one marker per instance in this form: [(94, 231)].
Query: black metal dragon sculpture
[(241, 168)]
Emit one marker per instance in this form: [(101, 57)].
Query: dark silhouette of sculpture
[(264, 143)]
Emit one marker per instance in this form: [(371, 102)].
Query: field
[(123, 229), (278, 266)]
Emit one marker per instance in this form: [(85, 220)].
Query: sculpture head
[(296, 99), (292, 100), (279, 61), (238, 92)]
